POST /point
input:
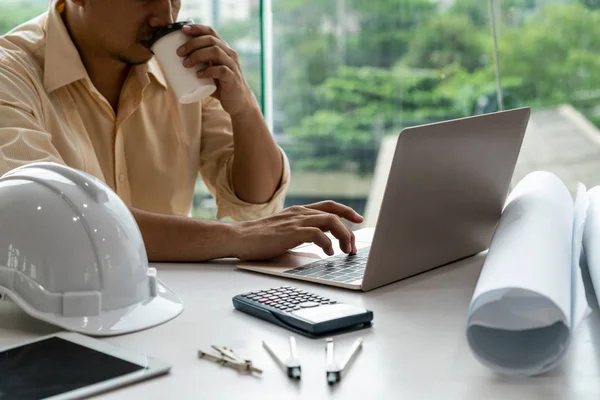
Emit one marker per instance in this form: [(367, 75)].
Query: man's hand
[(272, 236), (205, 46)]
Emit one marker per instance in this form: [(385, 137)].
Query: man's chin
[(138, 59)]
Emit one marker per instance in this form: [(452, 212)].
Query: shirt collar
[(63, 63), (152, 68)]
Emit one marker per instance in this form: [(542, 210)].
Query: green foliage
[(557, 56), (448, 39), (357, 107), (592, 4), (13, 13), (386, 29), (412, 62)]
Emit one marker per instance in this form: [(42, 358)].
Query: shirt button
[(122, 178)]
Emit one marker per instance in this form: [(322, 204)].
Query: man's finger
[(213, 55), (338, 209), (220, 72), (199, 30), (201, 42), (332, 223), (316, 236)]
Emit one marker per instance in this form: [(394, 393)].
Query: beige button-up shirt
[(149, 153)]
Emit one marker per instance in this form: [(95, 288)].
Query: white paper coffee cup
[(187, 86)]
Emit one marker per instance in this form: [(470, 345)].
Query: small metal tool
[(335, 370), (228, 358), (291, 365)]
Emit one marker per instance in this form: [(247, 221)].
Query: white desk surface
[(416, 348)]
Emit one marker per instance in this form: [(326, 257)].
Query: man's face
[(123, 28)]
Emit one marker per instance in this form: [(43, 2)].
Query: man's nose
[(162, 13)]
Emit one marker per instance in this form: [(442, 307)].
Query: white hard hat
[(71, 254)]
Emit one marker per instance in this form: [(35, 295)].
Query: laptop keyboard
[(340, 268)]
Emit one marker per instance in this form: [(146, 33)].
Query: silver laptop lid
[(445, 193)]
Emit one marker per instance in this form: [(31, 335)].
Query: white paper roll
[(530, 296), (591, 239)]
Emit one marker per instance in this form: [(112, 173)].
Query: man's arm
[(172, 238), (257, 164)]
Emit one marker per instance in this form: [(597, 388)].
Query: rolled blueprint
[(530, 297), (591, 239)]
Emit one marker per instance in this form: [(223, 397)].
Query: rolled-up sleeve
[(216, 161), (23, 139)]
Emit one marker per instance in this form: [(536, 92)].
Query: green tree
[(314, 38), (357, 107), (14, 13), (557, 56), (386, 29), (593, 4), (449, 39), (388, 78)]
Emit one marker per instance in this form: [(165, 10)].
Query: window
[(238, 23), (15, 12), (350, 74), (549, 58)]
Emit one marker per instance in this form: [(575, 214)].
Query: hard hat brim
[(149, 313)]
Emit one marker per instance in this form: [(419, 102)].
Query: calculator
[(303, 312)]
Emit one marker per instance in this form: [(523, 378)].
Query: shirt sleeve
[(216, 161), (23, 139)]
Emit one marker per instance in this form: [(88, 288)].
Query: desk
[(416, 349)]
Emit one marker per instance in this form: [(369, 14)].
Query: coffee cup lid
[(165, 30)]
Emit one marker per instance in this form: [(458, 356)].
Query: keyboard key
[(303, 273), (309, 304), (318, 274)]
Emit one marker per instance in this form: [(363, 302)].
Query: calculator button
[(262, 300), (308, 304)]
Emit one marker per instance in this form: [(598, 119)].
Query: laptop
[(444, 195)]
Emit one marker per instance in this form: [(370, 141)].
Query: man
[(79, 86)]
